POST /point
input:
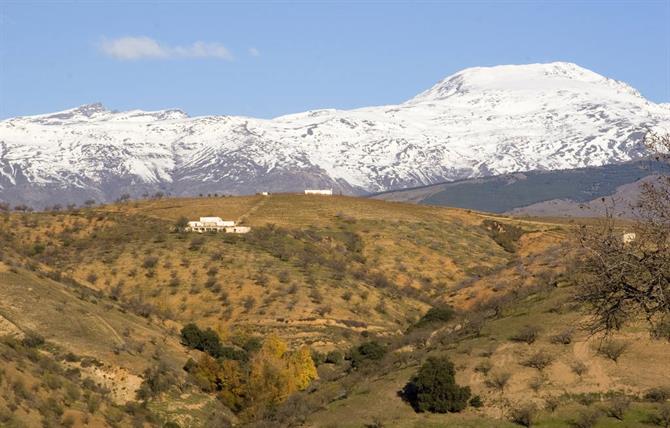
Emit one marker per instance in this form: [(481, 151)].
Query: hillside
[(539, 193), (579, 382), (478, 122), (69, 355), (115, 284), (312, 267)]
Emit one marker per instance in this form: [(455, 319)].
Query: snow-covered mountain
[(478, 122)]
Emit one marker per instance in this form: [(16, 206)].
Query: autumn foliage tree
[(275, 373), (263, 380)]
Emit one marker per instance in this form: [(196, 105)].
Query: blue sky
[(270, 58)]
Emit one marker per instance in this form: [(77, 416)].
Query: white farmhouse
[(210, 224), (326, 192)]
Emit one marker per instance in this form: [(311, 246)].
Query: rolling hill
[(108, 289)]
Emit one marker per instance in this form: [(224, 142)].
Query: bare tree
[(623, 279)]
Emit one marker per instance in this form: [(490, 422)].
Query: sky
[(266, 59)]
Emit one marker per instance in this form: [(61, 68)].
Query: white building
[(629, 237), (238, 229), (210, 224), (327, 192)]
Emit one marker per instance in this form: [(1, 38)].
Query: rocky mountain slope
[(478, 122)]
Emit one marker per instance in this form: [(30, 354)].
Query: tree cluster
[(248, 381)]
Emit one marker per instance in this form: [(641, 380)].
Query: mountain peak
[(83, 112), (90, 109), (553, 76)]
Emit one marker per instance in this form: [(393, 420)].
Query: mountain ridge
[(478, 122)]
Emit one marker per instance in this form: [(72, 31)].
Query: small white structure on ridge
[(327, 192), (629, 237)]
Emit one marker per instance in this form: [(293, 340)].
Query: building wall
[(318, 192)]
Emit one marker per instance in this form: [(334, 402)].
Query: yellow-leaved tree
[(275, 373), (302, 368)]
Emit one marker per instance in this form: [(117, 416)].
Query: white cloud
[(254, 52), (133, 48)]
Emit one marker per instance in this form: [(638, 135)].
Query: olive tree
[(624, 279)]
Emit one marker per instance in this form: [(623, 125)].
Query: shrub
[(662, 416), (252, 344), (484, 367), (528, 334), (618, 406), (562, 338), (93, 403), (318, 357), (248, 302), (365, 352), (536, 383), (524, 415), (540, 360), (196, 243), (579, 368), (284, 277), (334, 357), (157, 379), (661, 330), (434, 388), (181, 224), (203, 340), (658, 394), (32, 340), (441, 314), (551, 403), (150, 262), (505, 235), (498, 380), (587, 418), (612, 349), (476, 402)]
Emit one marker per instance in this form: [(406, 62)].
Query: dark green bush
[(434, 388), (334, 357), (476, 402), (202, 340), (252, 345), (366, 352), (441, 314)]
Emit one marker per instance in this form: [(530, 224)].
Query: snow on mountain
[(478, 122)]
